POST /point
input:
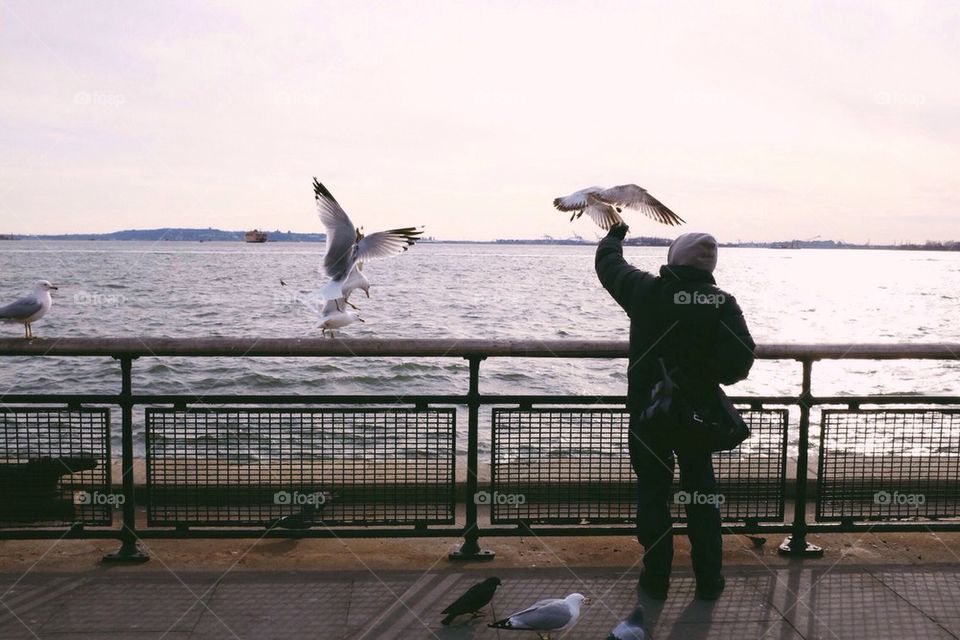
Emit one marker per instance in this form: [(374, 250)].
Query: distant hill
[(219, 235), (178, 234)]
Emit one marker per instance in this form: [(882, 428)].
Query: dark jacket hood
[(686, 273)]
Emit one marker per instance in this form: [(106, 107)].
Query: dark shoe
[(654, 587), (710, 589)]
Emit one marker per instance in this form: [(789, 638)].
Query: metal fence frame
[(126, 350)]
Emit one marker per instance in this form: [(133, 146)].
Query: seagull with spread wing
[(606, 205), (348, 247)]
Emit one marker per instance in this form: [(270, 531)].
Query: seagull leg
[(352, 305), (28, 333)]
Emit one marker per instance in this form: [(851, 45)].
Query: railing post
[(470, 549), (796, 543), (129, 549)]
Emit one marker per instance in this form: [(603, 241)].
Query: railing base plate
[(462, 556), (129, 553), (805, 550)]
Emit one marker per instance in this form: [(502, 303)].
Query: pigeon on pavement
[(475, 598), (631, 628)]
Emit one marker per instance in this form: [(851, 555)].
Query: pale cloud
[(753, 120)]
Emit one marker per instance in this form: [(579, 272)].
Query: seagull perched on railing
[(605, 205), (348, 247), (334, 315), (29, 308)]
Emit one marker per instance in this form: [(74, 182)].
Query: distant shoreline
[(219, 235)]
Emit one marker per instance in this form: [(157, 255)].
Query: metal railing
[(291, 465)]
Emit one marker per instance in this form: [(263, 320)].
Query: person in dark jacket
[(683, 318)]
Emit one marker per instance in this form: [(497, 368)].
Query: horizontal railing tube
[(433, 348)]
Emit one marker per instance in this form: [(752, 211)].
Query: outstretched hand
[(619, 230)]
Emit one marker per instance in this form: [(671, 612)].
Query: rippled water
[(441, 290)]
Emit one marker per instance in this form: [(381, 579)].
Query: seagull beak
[(54, 287), (587, 601), (367, 291)]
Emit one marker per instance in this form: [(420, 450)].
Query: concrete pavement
[(798, 601)]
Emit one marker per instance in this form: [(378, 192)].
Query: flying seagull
[(475, 598), (29, 308), (606, 205), (631, 628), (355, 280), (347, 246), (545, 616)]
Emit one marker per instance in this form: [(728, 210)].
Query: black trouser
[(652, 460)]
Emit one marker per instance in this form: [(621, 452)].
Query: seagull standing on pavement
[(29, 308), (606, 205), (545, 616)]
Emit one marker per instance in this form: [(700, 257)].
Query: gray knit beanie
[(694, 250)]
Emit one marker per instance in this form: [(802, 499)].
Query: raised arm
[(621, 279)]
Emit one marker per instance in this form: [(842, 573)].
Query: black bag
[(711, 424)]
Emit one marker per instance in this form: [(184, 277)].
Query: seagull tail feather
[(501, 624)]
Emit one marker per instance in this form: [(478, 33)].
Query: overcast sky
[(755, 121)]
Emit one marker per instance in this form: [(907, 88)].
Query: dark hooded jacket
[(680, 316)]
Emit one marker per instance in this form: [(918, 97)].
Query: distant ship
[(255, 236)]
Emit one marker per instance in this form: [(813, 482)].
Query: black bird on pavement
[(476, 597)]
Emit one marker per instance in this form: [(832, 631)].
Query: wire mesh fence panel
[(889, 464), (572, 466), (55, 467), (751, 479), (299, 468), (560, 466)]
